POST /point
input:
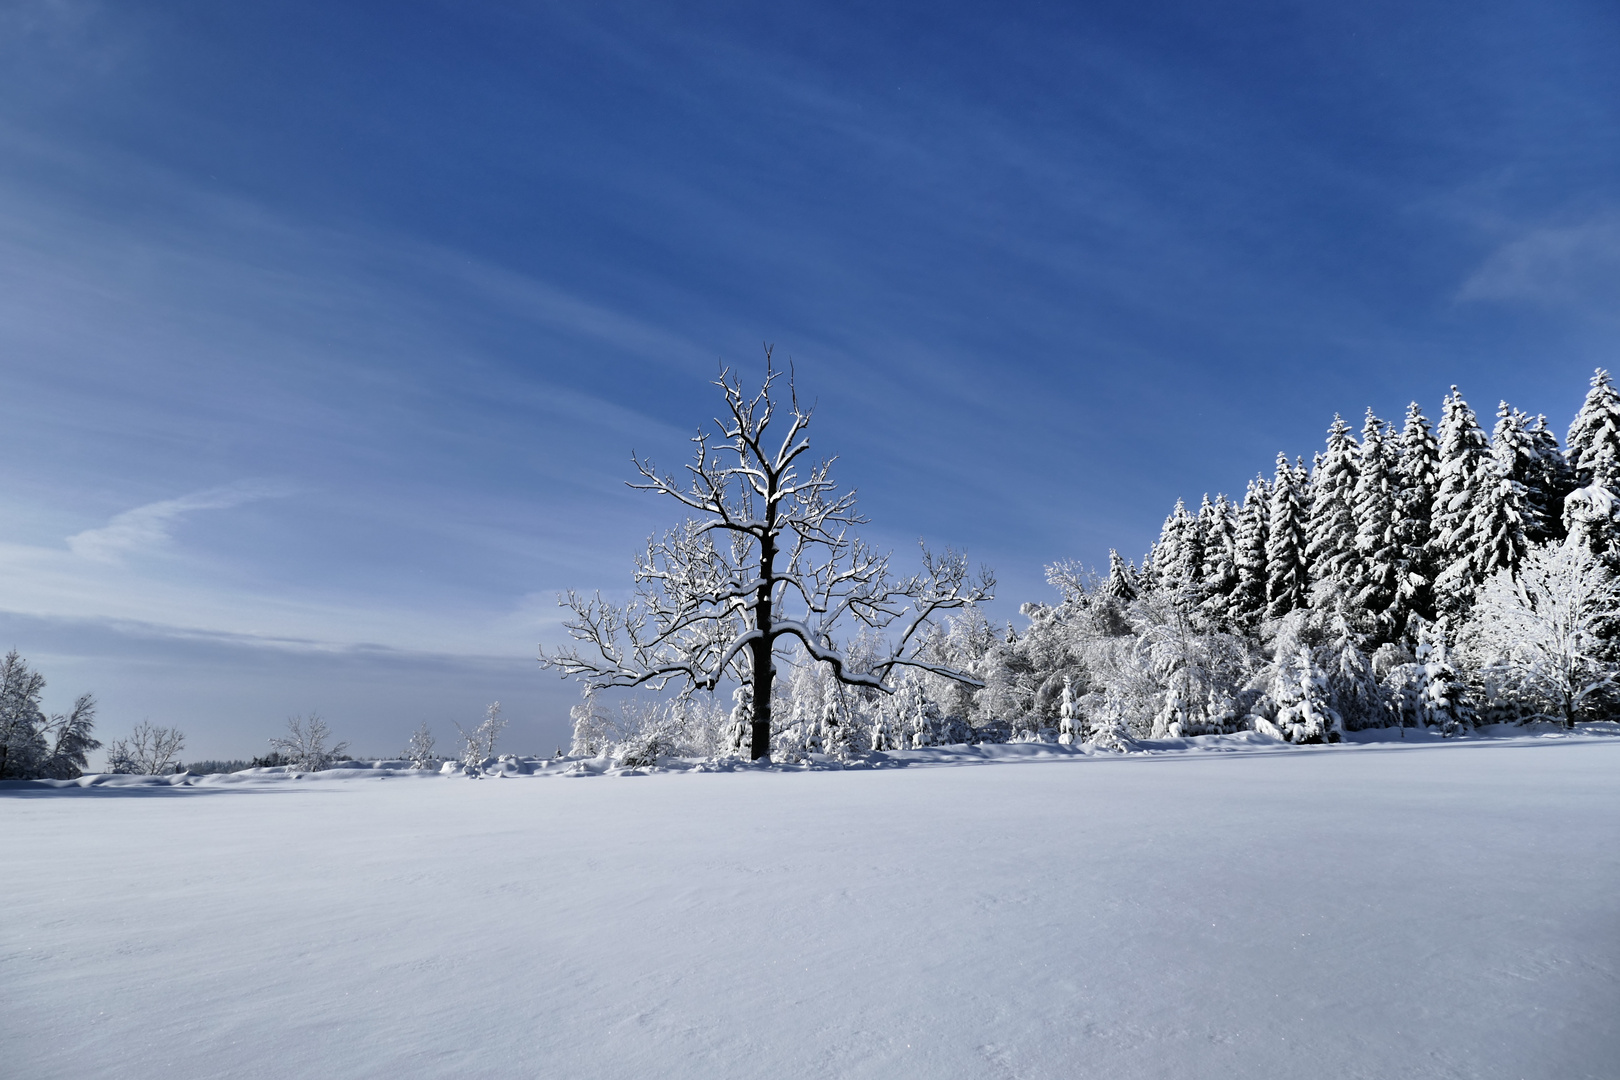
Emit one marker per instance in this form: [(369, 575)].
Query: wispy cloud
[(1571, 268), (150, 527)]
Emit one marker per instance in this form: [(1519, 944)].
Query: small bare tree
[(304, 745), (480, 741), (149, 751), (769, 554), (420, 751)]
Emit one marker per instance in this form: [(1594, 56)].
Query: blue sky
[(326, 331)]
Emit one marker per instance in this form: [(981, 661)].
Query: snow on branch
[(768, 551)]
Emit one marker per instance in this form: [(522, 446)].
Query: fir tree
[(1377, 589), (1219, 533), (1548, 480), (1287, 582), (1417, 480), (1331, 532), (1178, 557), (1594, 437), (1591, 511), (1121, 585), (1499, 522), (1468, 478), (1304, 697), (1247, 604)]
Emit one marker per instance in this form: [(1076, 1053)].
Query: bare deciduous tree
[(304, 745), (149, 751), (480, 741), (769, 554), (420, 750)]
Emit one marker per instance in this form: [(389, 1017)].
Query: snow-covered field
[(1422, 910)]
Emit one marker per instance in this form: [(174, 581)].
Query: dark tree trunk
[(764, 669)]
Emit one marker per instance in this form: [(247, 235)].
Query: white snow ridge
[(1433, 909)]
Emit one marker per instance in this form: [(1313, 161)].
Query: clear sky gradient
[(326, 331)]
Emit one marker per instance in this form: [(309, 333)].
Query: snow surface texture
[(1428, 910)]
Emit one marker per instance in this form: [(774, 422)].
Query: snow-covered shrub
[(1108, 728), (1305, 712), (304, 747), (149, 751)]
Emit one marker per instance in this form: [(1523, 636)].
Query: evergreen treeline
[(1417, 575)]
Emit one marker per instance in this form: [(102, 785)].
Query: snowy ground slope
[(1445, 910)]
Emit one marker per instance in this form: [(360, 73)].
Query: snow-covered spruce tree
[(149, 751), (1218, 524), (1331, 525), (1247, 604), (305, 745), (1287, 579), (1593, 443), (1121, 578), (1381, 567), (1417, 482), (1548, 481), (1592, 510), (1528, 453), (1468, 481), (1542, 631), (1178, 557), (1499, 522), (33, 745), (787, 567), (1303, 696)]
